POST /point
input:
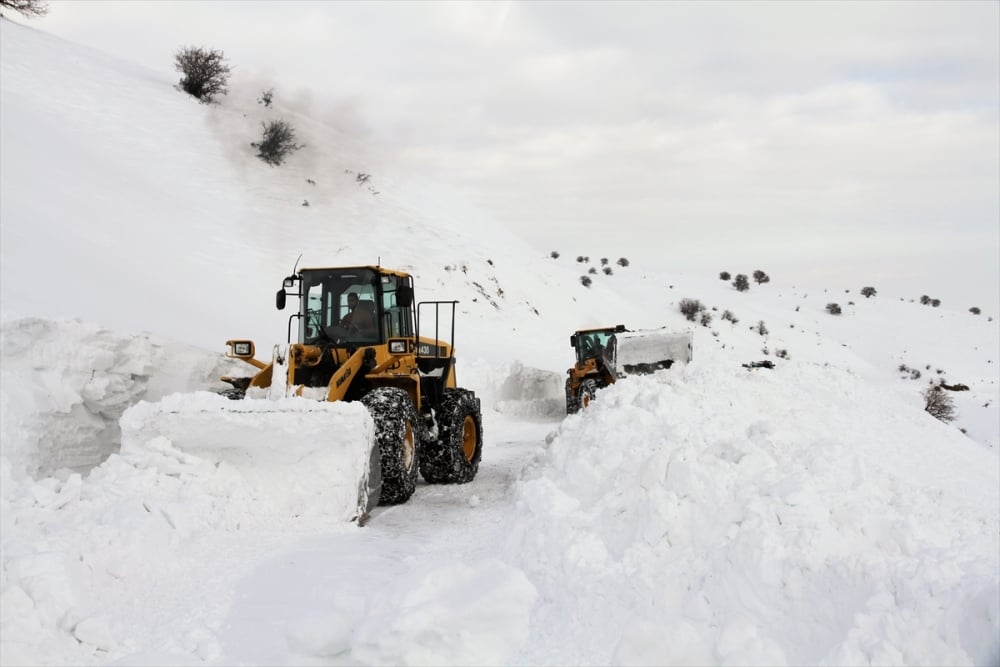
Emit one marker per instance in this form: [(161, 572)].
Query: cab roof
[(381, 270)]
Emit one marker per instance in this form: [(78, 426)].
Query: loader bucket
[(644, 352), (289, 457)]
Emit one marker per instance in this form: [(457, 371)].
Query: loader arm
[(340, 382)]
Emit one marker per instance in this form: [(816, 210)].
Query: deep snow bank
[(65, 384), (794, 516), (75, 545)]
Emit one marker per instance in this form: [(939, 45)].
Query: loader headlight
[(241, 349), (289, 282), (397, 347)]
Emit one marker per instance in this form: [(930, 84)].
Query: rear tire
[(572, 400), (588, 391), (453, 458), (397, 435)]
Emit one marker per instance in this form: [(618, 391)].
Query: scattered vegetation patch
[(690, 308), (205, 72), (928, 301), (277, 142), (939, 404), (29, 8), (954, 387)]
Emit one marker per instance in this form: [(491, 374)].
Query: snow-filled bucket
[(648, 351), (292, 455)]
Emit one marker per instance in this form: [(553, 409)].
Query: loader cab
[(328, 312), (595, 343)]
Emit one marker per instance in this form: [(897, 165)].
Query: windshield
[(339, 305), (591, 344), (353, 306)]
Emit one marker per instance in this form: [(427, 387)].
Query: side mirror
[(404, 296), (279, 299)]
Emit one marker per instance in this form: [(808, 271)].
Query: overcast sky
[(817, 138)]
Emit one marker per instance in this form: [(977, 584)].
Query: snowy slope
[(809, 514)]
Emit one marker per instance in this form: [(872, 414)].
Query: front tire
[(572, 399), (453, 458), (397, 435), (588, 391), (234, 393)]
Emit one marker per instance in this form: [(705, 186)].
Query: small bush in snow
[(939, 404), (728, 315), (833, 308), (581, 259), (935, 303), (974, 310), (604, 261), (741, 283), (29, 8), (554, 254), (585, 281), (276, 143), (622, 261), (781, 353), (205, 71), (761, 328), (724, 275), (592, 270), (706, 318), (690, 308), (868, 292), (925, 300), (608, 271), (266, 97), (761, 277)]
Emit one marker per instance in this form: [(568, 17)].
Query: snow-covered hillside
[(812, 513)]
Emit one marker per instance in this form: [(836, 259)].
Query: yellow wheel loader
[(355, 339), (608, 354)]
